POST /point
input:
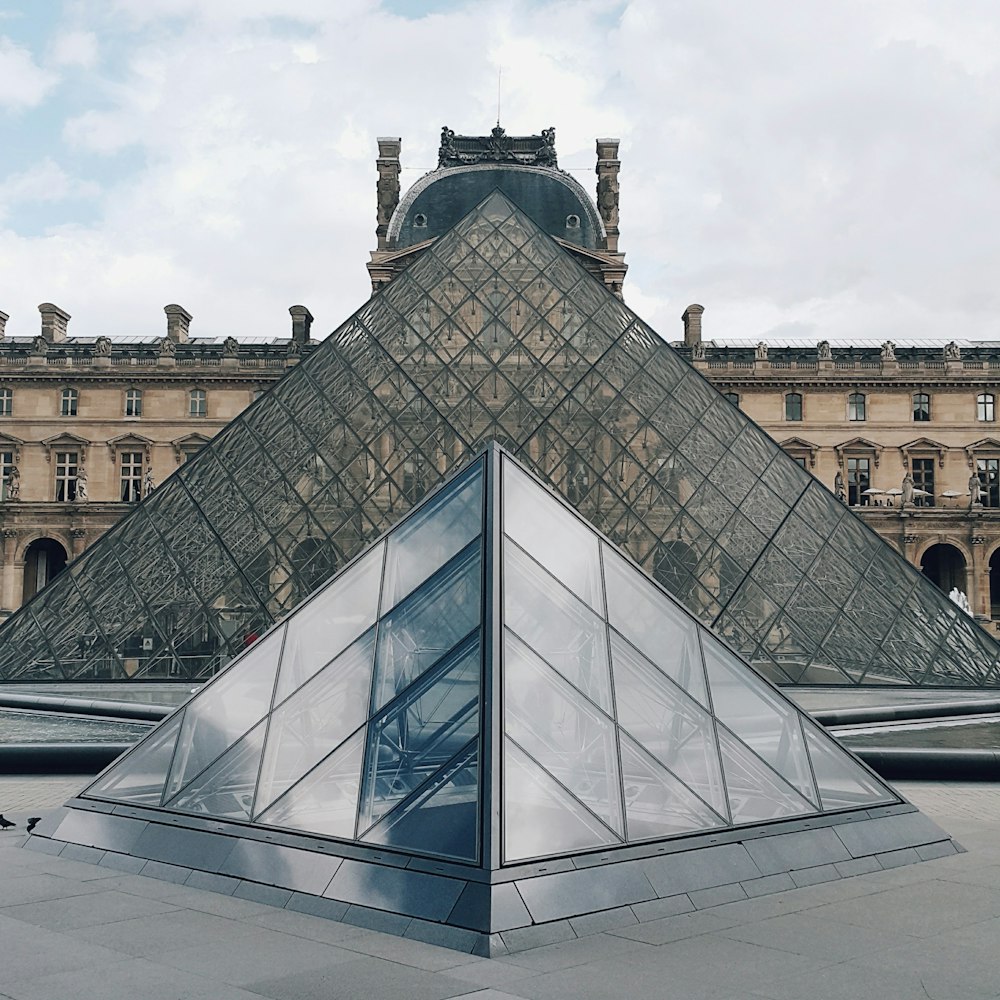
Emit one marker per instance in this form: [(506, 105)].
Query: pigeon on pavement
[(5, 824)]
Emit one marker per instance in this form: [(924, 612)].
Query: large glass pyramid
[(492, 683), (496, 333)]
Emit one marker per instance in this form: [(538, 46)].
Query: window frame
[(130, 487), (852, 407), (986, 403), (789, 397), (69, 402), (990, 487), (732, 397), (921, 404), (855, 485), (66, 470), (133, 402), (6, 401), (197, 403), (920, 466)]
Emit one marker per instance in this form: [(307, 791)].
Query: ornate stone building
[(88, 426), (866, 418)]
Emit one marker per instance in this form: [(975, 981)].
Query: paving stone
[(810, 876), (767, 885), (704, 898)]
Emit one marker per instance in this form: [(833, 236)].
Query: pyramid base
[(481, 912)]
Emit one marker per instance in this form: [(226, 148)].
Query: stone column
[(979, 580), (387, 187), (9, 585), (608, 167)]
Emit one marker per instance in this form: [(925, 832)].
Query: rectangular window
[(66, 469), (923, 479), (985, 409), (856, 408), (198, 405), (133, 403), (6, 465), (188, 451), (801, 460), (858, 480), (988, 470), (6, 402), (793, 406), (68, 399), (921, 406), (131, 484)]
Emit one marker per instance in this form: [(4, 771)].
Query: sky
[(805, 170)]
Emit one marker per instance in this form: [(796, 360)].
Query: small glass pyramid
[(492, 632)]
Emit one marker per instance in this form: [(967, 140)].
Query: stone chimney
[(301, 324), (608, 166), (692, 324), (54, 322), (3, 324), (178, 323), (388, 185)]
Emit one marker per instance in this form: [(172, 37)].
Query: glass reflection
[(140, 775), (558, 626)]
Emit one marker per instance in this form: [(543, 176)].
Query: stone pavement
[(70, 929)]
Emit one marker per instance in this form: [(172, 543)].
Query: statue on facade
[(14, 483), (167, 348), (975, 490), (888, 351), (447, 153), (148, 483), (545, 155), (102, 348), (293, 349), (961, 599), (838, 487), (760, 351), (698, 351), (823, 351), (952, 352), (81, 485), (40, 345), (907, 496), (230, 347)]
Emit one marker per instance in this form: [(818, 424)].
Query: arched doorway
[(944, 565), (995, 585), (43, 559)]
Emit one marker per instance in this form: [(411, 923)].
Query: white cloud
[(23, 83), (75, 48), (829, 171), (44, 182)]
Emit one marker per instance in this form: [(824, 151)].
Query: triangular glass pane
[(750, 708), (557, 625), (667, 723), (843, 783), (653, 624), (140, 775), (442, 818), (564, 733), (430, 622), (226, 709), (326, 800), (756, 793), (540, 818), (333, 619), (435, 533), (658, 804), (553, 536), (225, 789), (317, 717), (430, 722)]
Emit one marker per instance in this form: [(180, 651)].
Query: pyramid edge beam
[(489, 914)]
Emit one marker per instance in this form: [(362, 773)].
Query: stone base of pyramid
[(490, 913)]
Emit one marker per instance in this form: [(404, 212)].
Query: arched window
[(68, 401), (986, 406), (921, 406), (856, 406), (133, 403), (197, 403), (793, 405), (733, 397)]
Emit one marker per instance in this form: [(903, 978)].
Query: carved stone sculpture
[(167, 348), (148, 483), (14, 484), (907, 496), (975, 490), (823, 351), (952, 352), (40, 346), (888, 351), (103, 347), (230, 347), (81, 485), (760, 351), (838, 487)]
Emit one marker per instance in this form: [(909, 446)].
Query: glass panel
[(559, 728), (756, 793), (441, 819), (330, 621), (540, 818), (326, 800), (567, 634), (317, 717), (657, 804), (541, 526), (139, 776), (843, 783), (436, 533), (424, 729), (765, 723), (227, 709), (652, 623), (667, 723), (418, 632), (225, 789)]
